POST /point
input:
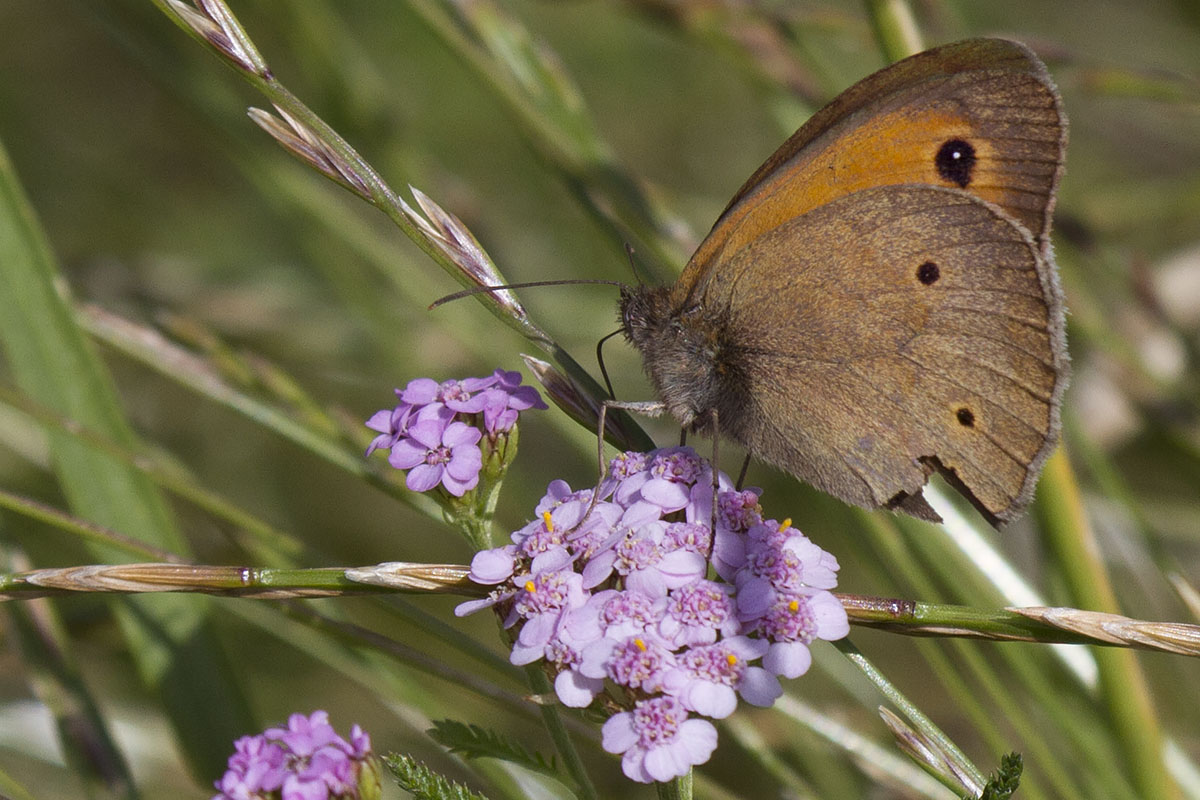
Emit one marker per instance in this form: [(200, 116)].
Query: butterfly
[(879, 301)]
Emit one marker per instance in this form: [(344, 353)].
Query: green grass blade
[(55, 364)]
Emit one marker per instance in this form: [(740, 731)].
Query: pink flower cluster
[(434, 432), (641, 599), (307, 760)]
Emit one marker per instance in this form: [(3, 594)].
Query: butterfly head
[(680, 349)]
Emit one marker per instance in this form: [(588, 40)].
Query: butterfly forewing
[(980, 115)]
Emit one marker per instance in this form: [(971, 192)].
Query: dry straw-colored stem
[(1033, 624), (269, 584)]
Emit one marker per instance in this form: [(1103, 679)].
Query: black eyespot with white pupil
[(966, 417), (928, 273), (955, 161)]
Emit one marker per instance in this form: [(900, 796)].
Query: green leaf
[(473, 741), (423, 783), (53, 362), (1004, 784)]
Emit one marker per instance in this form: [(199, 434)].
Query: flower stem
[(677, 789), (558, 734)]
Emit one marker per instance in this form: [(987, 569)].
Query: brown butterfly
[(879, 301)]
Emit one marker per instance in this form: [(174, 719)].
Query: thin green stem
[(895, 28), (915, 716), (266, 543), (1123, 686), (550, 110), (676, 789), (560, 736), (149, 348)]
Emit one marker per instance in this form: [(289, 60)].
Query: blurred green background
[(167, 206)]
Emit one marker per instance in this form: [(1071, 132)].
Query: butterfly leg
[(741, 481), (716, 474), (648, 408)]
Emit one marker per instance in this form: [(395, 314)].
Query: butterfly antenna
[(600, 359), (630, 253), (481, 289)]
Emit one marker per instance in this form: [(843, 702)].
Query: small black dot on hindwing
[(966, 417), (928, 273), (955, 161)]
